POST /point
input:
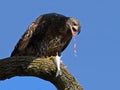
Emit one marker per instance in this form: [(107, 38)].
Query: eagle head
[(74, 26)]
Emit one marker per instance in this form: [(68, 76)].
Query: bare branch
[(43, 68)]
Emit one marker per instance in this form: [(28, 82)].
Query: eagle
[(49, 34)]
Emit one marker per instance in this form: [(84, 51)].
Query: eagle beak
[(75, 29)]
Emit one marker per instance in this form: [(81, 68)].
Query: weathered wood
[(43, 68)]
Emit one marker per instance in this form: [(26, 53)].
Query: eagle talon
[(50, 58)]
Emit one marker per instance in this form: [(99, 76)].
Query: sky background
[(97, 64)]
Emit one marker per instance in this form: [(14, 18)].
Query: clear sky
[(97, 64)]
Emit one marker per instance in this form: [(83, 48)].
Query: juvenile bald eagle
[(47, 35)]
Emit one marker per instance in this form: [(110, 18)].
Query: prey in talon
[(57, 61)]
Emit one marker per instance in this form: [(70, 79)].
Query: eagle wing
[(28, 36)]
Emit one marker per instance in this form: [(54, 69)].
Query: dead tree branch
[(39, 67)]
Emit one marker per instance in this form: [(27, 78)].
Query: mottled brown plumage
[(47, 35)]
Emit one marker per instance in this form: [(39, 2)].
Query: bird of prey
[(47, 35)]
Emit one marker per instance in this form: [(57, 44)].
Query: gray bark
[(43, 68)]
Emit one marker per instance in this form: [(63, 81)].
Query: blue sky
[(97, 64)]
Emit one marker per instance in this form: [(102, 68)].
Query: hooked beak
[(75, 29)]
